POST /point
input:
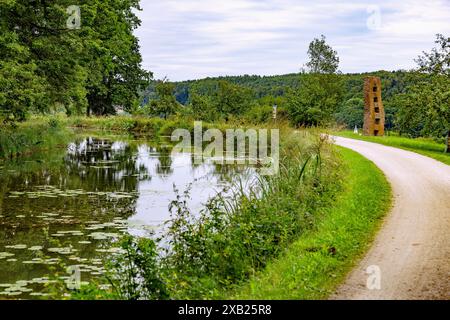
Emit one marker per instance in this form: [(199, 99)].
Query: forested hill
[(394, 82)]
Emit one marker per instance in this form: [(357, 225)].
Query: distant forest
[(268, 90)]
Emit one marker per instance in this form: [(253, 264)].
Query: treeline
[(260, 93), (80, 59), (416, 101)]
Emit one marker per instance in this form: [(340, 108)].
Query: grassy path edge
[(319, 261), (423, 146)]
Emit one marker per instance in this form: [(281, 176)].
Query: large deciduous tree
[(425, 109), (112, 55), (44, 63), (322, 58), (165, 104), (320, 91), (39, 58)]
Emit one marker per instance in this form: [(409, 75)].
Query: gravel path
[(412, 250)]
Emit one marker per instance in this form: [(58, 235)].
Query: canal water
[(67, 207)]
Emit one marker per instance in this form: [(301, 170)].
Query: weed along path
[(410, 258)]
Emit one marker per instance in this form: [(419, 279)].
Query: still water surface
[(67, 206)]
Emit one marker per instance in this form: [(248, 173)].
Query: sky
[(193, 39)]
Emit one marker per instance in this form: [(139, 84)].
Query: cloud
[(198, 38)]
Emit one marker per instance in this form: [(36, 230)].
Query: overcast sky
[(191, 39)]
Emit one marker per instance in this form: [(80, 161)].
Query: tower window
[(375, 99)]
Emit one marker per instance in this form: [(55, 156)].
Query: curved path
[(412, 250)]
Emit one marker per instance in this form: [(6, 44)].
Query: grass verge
[(31, 136), (423, 146), (314, 265)]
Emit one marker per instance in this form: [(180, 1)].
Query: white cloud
[(185, 39)]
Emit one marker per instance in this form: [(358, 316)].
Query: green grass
[(32, 136), (423, 146), (314, 265)]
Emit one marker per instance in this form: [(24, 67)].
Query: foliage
[(112, 55), (351, 113), (38, 58), (438, 60), (221, 100), (317, 100), (322, 57), (200, 94), (26, 137), (261, 114), (232, 99), (165, 103), (135, 273), (316, 263), (424, 110), (201, 107), (44, 64), (320, 91)]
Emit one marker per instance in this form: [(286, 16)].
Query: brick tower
[(374, 115)]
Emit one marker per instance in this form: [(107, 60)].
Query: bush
[(259, 114), (136, 273)]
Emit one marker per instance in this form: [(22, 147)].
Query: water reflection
[(68, 206)]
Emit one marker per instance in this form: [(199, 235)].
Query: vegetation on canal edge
[(304, 233), (235, 236), (298, 234), (44, 132), (425, 146), (27, 137), (318, 261)]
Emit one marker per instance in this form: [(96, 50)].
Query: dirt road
[(412, 250)]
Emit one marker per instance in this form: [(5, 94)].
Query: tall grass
[(151, 127), (156, 127), (25, 138), (316, 263)]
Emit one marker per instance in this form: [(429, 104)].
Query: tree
[(438, 60), (212, 100), (320, 91), (231, 99), (351, 113), (38, 57), (317, 100), (202, 107), (112, 55), (44, 63), (322, 57), (438, 63), (425, 108), (166, 104)]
